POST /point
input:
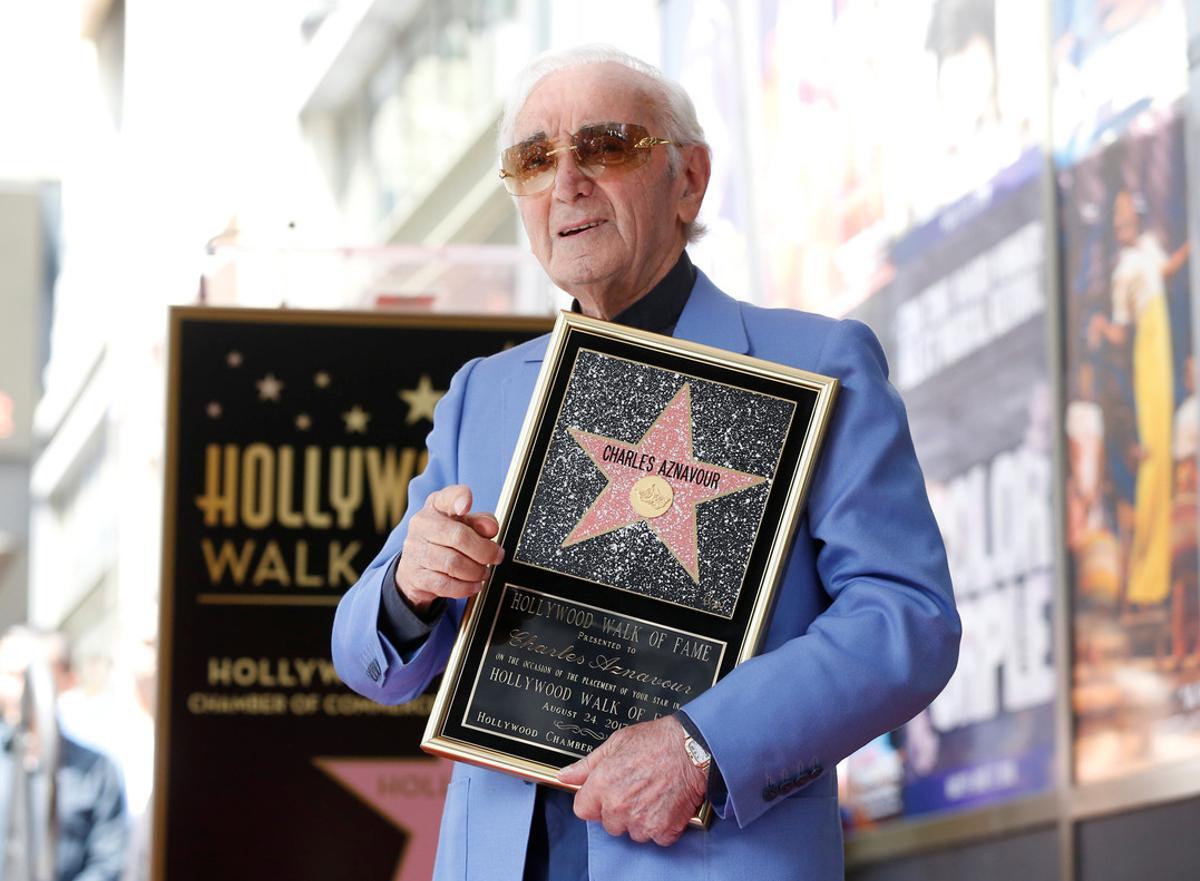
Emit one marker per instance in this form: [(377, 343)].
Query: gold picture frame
[(646, 518)]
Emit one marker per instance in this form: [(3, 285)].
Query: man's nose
[(569, 180)]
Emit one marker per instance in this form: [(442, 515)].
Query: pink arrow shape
[(408, 793)]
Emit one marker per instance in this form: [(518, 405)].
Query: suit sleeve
[(365, 658), (887, 642)]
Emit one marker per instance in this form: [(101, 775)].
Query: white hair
[(673, 106)]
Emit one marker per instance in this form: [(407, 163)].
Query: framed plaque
[(646, 518)]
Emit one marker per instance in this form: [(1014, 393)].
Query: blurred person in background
[(136, 669), (62, 805), (1140, 324), (105, 702), (971, 141), (1185, 528)]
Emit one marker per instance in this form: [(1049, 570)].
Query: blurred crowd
[(77, 760)]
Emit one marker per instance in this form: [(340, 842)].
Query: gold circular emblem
[(651, 496)]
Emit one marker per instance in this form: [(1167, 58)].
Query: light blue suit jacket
[(863, 635)]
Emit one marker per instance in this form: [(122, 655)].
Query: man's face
[(1125, 219), (966, 84), (606, 240)]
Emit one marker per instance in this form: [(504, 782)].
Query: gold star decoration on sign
[(356, 420), (269, 388), (421, 400), (321, 379), (303, 422), (234, 359), (214, 410)]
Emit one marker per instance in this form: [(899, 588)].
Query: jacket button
[(787, 786), (770, 791), (373, 671)]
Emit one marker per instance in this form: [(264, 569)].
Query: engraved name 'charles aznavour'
[(639, 461), (622, 634)]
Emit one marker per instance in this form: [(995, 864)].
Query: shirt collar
[(659, 309)]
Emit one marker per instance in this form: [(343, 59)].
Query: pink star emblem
[(408, 793), (658, 481)]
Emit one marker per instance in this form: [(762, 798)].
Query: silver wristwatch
[(699, 755)]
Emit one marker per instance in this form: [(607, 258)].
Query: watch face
[(699, 756)]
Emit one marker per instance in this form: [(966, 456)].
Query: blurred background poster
[(880, 115), (1192, 135), (703, 49), (964, 326), (1112, 59), (1132, 432)]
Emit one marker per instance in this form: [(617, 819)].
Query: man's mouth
[(576, 230)]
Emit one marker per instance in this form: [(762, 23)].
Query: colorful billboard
[(1112, 60), (1132, 435), (964, 327), (699, 53), (873, 118)]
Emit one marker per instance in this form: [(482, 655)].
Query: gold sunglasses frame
[(644, 143)]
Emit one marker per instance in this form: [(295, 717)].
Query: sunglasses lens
[(612, 144), (528, 167)]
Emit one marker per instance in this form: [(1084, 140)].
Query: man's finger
[(613, 825), (587, 804), (440, 585), (639, 836), (453, 501), (666, 839), (450, 562), (483, 523), (577, 774), (458, 536)]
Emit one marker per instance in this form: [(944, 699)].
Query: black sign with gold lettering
[(292, 439)]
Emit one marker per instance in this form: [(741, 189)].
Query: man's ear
[(695, 173)]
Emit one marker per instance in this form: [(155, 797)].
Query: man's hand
[(639, 781), (447, 550)]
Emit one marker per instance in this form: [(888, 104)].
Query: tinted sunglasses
[(529, 167)]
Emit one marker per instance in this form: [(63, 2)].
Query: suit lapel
[(713, 318), (515, 393)]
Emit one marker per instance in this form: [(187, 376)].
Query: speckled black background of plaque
[(731, 427)]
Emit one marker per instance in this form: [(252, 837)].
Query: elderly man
[(609, 167)]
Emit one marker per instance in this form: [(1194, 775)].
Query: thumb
[(577, 774)]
